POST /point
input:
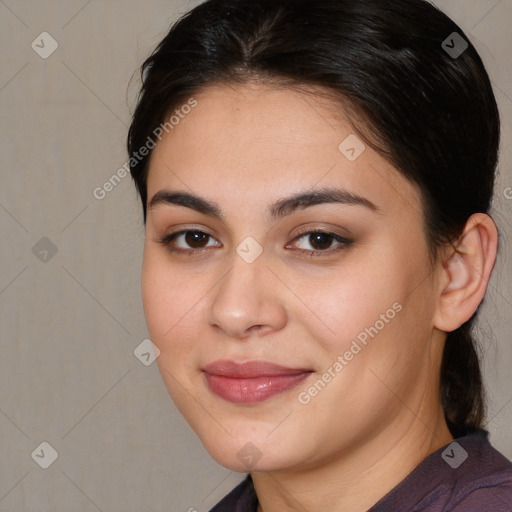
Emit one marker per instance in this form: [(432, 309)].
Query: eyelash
[(344, 243)]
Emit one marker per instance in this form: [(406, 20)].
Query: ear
[(465, 273)]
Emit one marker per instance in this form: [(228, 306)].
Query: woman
[(316, 178)]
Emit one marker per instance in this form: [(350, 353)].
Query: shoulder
[(486, 481), (468, 475)]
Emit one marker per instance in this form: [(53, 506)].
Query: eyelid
[(314, 228)]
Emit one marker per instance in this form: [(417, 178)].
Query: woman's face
[(283, 347)]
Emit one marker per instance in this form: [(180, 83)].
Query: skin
[(244, 148)]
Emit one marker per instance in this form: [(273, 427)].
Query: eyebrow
[(279, 209)]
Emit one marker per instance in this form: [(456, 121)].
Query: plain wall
[(70, 324)]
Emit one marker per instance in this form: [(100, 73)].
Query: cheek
[(348, 303), (173, 302), (169, 309), (163, 295), (155, 297)]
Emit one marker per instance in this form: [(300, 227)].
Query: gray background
[(70, 321)]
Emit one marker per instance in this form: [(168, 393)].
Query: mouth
[(251, 382)]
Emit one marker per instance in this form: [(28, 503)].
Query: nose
[(247, 301)]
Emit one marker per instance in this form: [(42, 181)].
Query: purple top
[(468, 475)]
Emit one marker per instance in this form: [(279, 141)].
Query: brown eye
[(189, 242), (196, 239), (321, 241)]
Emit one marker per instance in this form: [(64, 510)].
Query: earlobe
[(466, 272)]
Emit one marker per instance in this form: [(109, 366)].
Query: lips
[(251, 382)]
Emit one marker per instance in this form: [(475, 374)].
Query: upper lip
[(250, 369)]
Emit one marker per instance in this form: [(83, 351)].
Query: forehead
[(257, 141)]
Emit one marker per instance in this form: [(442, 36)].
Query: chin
[(250, 452), (250, 461)]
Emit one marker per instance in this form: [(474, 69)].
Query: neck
[(355, 480)]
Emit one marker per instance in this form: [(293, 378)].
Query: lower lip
[(257, 389)]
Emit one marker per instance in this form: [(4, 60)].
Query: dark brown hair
[(425, 99)]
